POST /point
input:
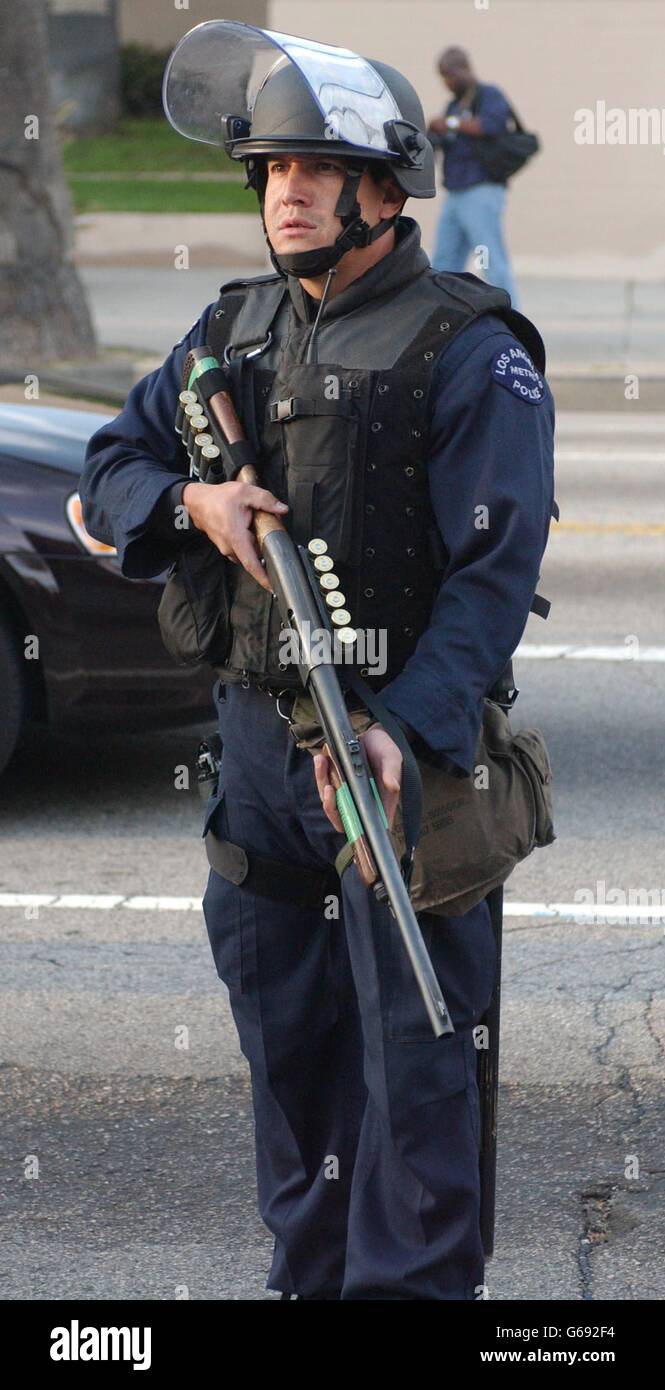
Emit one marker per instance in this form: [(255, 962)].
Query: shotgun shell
[(340, 617), (185, 398), (329, 581), (192, 412), (336, 599), (323, 563), (317, 547)]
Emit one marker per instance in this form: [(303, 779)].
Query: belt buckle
[(282, 409)]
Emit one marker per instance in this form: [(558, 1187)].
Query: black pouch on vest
[(194, 610), (321, 424)]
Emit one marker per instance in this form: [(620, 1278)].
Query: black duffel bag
[(503, 155)]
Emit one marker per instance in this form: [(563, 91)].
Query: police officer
[(402, 415)]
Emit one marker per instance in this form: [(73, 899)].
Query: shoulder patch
[(512, 367)]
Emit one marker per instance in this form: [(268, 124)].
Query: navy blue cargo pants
[(367, 1127)]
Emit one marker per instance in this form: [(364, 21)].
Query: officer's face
[(300, 201)]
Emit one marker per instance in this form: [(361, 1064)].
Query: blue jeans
[(471, 217)]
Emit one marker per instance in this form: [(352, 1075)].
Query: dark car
[(79, 643)]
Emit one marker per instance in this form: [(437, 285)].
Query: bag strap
[(475, 108), (518, 124), (250, 333)]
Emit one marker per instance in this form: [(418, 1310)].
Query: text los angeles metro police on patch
[(512, 367)]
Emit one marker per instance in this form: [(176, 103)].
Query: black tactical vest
[(345, 443)]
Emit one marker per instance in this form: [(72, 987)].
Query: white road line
[(617, 913), (533, 651), (163, 904), (562, 912), (98, 901)]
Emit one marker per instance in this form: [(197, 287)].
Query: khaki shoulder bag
[(474, 829)]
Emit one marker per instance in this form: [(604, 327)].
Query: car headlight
[(74, 510)]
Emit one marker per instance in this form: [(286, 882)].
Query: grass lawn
[(151, 146), (142, 195), (143, 144)]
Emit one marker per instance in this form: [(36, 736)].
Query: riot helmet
[(258, 93)]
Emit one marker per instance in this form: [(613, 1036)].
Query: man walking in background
[(473, 210)]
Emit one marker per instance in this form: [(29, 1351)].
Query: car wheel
[(12, 693)]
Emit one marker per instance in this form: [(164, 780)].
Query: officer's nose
[(296, 185)]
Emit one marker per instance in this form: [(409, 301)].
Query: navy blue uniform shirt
[(491, 482)]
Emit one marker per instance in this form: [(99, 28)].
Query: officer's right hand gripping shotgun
[(210, 429)]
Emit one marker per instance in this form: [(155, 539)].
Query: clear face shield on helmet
[(220, 67), (217, 89)]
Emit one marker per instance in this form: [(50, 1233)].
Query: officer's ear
[(394, 197)]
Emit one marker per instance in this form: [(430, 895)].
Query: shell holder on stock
[(194, 612), (204, 378)]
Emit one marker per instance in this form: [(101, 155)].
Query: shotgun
[(218, 450)]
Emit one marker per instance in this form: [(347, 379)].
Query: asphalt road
[(126, 1126)]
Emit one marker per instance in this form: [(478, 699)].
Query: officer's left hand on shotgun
[(385, 761)]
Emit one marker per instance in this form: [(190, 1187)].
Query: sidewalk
[(597, 331)]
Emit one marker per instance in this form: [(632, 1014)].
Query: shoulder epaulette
[(249, 281)]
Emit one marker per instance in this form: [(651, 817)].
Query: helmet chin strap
[(355, 233)]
